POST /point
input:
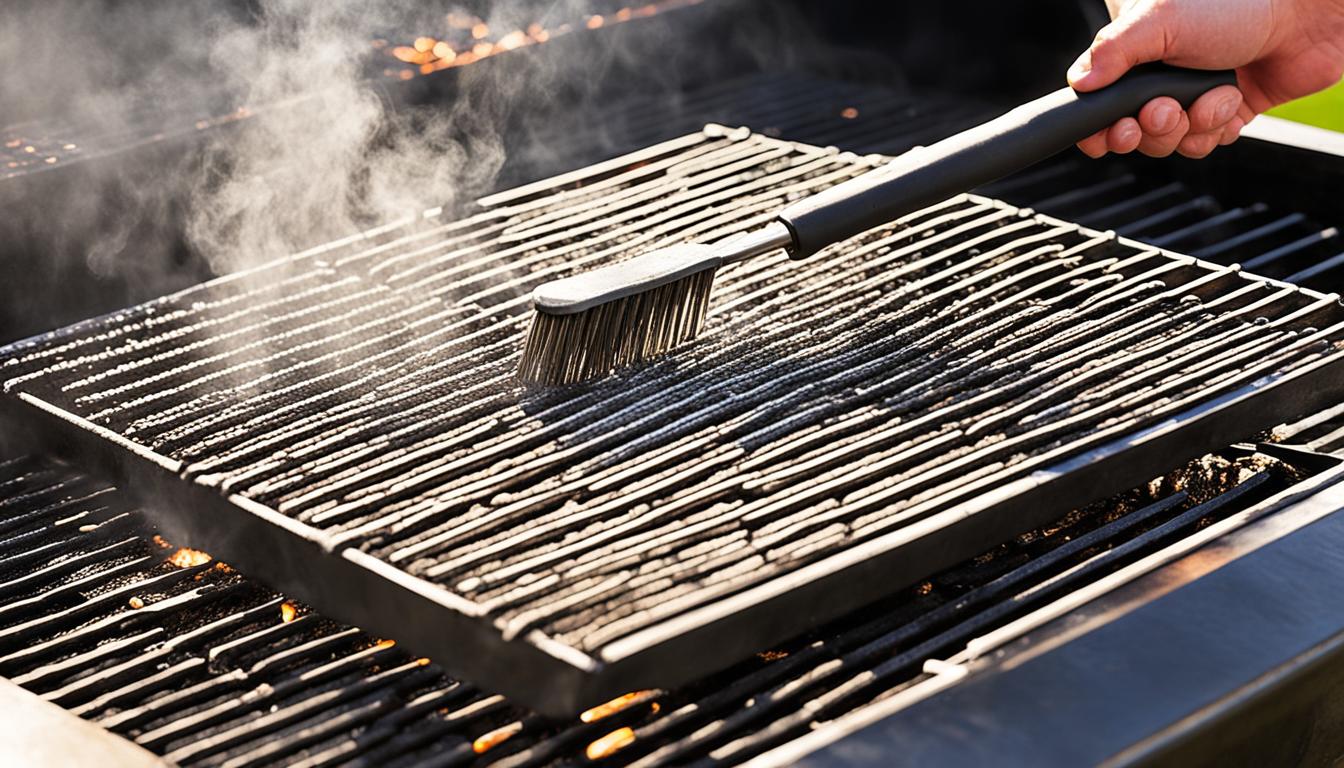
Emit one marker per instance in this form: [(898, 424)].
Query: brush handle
[(1007, 144)]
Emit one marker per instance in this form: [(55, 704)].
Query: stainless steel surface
[(772, 237), (37, 734)]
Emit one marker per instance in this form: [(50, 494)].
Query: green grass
[(1325, 109)]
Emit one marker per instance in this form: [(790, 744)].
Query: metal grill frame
[(557, 679)]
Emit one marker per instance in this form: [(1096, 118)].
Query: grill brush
[(589, 324)]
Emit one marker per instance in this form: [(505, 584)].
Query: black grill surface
[(906, 399), (189, 658)]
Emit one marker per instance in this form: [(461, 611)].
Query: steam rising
[(326, 156), (303, 141)]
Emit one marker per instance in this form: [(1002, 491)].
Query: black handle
[(1007, 144)]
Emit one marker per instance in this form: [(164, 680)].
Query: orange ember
[(423, 44), (480, 31), (288, 612), (496, 737), (772, 655), (611, 743), (616, 705), (849, 113), (444, 51), (136, 603), (407, 54), (595, 21), (385, 643), (187, 557), (512, 40)]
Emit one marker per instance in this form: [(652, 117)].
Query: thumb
[(1124, 43)]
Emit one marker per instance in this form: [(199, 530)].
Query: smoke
[(327, 154), (294, 132)]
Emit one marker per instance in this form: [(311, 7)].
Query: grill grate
[(1261, 237), (842, 414), (214, 669)]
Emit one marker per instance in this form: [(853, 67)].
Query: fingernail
[(1165, 118), (1081, 67), (1226, 109)]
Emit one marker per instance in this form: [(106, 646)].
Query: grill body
[(1280, 203)]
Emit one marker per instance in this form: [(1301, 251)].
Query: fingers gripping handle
[(1026, 135)]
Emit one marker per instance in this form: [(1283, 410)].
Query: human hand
[(1280, 49)]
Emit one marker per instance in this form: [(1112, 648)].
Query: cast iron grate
[(846, 426)]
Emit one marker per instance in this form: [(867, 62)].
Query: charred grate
[(846, 425), (194, 661)]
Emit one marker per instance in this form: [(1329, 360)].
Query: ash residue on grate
[(367, 390)]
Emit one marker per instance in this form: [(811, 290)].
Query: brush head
[(592, 323)]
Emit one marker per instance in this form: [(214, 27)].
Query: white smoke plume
[(326, 155)]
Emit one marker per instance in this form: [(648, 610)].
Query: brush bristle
[(568, 348)]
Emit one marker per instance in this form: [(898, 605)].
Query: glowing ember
[(429, 54), (496, 737), (611, 743), (772, 655), (288, 612), (616, 705), (849, 113), (385, 643), (512, 40), (187, 557), (410, 55), (136, 603)]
